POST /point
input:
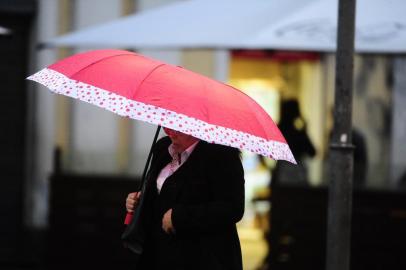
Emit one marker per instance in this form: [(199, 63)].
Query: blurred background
[(67, 166)]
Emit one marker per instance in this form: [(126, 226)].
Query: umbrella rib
[(149, 74), (248, 104), (250, 98), (93, 63)]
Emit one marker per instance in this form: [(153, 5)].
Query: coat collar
[(178, 174)]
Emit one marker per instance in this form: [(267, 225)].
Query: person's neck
[(186, 145)]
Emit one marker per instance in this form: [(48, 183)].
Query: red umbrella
[(145, 89), (142, 88)]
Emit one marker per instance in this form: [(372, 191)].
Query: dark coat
[(206, 195)]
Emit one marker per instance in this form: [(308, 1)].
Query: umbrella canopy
[(145, 89), (257, 24)]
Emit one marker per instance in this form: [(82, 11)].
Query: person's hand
[(132, 201), (167, 225)]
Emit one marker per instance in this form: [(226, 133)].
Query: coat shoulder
[(218, 151), (162, 144)]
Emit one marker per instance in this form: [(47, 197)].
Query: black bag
[(133, 236)]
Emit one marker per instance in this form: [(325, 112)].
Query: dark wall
[(298, 229), (86, 222), (16, 16)]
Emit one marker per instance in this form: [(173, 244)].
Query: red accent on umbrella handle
[(128, 218)]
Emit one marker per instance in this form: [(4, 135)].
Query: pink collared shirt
[(177, 161)]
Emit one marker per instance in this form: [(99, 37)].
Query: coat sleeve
[(225, 175)]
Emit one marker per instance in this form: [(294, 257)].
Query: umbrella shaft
[(144, 173)]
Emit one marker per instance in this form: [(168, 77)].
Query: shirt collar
[(184, 155)]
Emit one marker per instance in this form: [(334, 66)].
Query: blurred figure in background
[(293, 127), (360, 164), (360, 159)]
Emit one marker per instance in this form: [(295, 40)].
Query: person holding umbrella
[(193, 194), (192, 204)]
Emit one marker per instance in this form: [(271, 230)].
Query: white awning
[(185, 24), (380, 28), (255, 24)]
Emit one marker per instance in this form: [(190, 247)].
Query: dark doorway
[(14, 46)]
